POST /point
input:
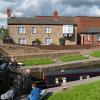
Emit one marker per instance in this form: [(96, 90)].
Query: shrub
[(62, 41), (38, 42)]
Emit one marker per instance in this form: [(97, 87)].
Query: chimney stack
[(8, 13), (56, 15)]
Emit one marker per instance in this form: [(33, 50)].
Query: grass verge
[(95, 54), (83, 92), (67, 58), (37, 61)]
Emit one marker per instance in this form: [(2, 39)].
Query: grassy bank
[(37, 61), (43, 61), (83, 92), (95, 54), (67, 58)]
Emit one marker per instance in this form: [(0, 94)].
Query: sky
[(30, 8)]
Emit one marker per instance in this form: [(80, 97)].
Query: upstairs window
[(21, 29), (33, 29), (47, 29), (68, 29)]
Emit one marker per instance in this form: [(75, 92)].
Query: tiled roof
[(41, 21), (91, 30)]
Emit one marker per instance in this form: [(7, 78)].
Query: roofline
[(89, 32), (88, 16), (42, 24)]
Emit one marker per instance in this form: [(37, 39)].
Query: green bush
[(38, 42), (6, 34), (62, 41)]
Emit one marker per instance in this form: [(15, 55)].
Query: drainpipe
[(92, 41)]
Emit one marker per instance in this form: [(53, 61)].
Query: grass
[(95, 54), (37, 61), (83, 92), (67, 58), (43, 61)]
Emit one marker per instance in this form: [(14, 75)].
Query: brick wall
[(84, 22), (95, 42), (63, 47)]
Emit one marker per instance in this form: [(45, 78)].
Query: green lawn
[(95, 54), (66, 58), (83, 92), (37, 61)]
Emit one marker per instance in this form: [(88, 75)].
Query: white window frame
[(48, 29), (84, 77), (21, 30), (98, 39), (48, 41), (22, 42), (33, 30), (63, 80), (68, 29)]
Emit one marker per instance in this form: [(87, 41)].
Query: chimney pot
[(55, 14), (8, 13)]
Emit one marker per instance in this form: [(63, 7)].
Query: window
[(22, 41), (47, 29), (60, 80), (84, 77), (33, 29), (48, 41), (98, 37), (21, 30), (68, 29), (88, 37)]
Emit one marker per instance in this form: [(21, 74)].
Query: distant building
[(49, 29)]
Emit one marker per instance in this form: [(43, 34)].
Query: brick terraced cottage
[(48, 29)]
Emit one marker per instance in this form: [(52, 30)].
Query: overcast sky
[(31, 8)]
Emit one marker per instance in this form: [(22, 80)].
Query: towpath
[(69, 85)]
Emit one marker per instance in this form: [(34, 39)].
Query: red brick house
[(88, 30)]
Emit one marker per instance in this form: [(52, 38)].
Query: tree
[(6, 34)]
